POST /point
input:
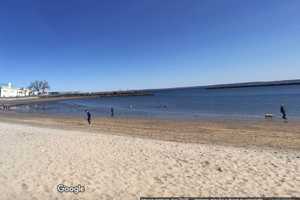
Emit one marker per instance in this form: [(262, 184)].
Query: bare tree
[(39, 86), (44, 86), (35, 86)]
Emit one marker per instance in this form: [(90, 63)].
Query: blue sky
[(92, 45)]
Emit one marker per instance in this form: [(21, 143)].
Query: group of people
[(89, 116), (5, 107)]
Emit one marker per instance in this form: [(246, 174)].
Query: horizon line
[(277, 82)]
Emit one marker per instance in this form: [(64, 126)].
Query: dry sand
[(34, 160)]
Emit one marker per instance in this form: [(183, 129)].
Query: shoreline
[(239, 133)]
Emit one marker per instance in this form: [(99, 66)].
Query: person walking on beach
[(112, 112), (5, 107), (283, 112), (88, 117)]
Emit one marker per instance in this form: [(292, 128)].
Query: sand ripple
[(33, 161)]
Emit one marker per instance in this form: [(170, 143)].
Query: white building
[(24, 92), (10, 91)]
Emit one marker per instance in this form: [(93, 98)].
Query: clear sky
[(92, 45)]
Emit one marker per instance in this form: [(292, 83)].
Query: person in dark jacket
[(88, 117), (112, 112), (283, 112)]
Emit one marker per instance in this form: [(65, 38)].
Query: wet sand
[(262, 133), (130, 158)]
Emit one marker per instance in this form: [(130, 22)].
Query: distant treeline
[(255, 84)]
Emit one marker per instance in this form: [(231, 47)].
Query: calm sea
[(188, 103)]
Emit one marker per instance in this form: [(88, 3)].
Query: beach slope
[(34, 160)]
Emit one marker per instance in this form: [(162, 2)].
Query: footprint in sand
[(205, 163), (46, 189), (24, 186), (158, 180)]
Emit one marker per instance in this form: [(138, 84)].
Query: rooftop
[(8, 85)]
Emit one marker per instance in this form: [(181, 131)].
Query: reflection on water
[(184, 103)]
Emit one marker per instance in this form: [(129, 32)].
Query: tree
[(45, 86), (39, 86)]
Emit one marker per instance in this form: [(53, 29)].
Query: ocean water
[(184, 103)]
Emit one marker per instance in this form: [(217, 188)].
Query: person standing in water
[(88, 117), (283, 112), (112, 112)]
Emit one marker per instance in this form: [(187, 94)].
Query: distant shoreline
[(18, 101), (254, 84), (233, 85)]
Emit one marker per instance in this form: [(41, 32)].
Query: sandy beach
[(119, 163), (150, 100)]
